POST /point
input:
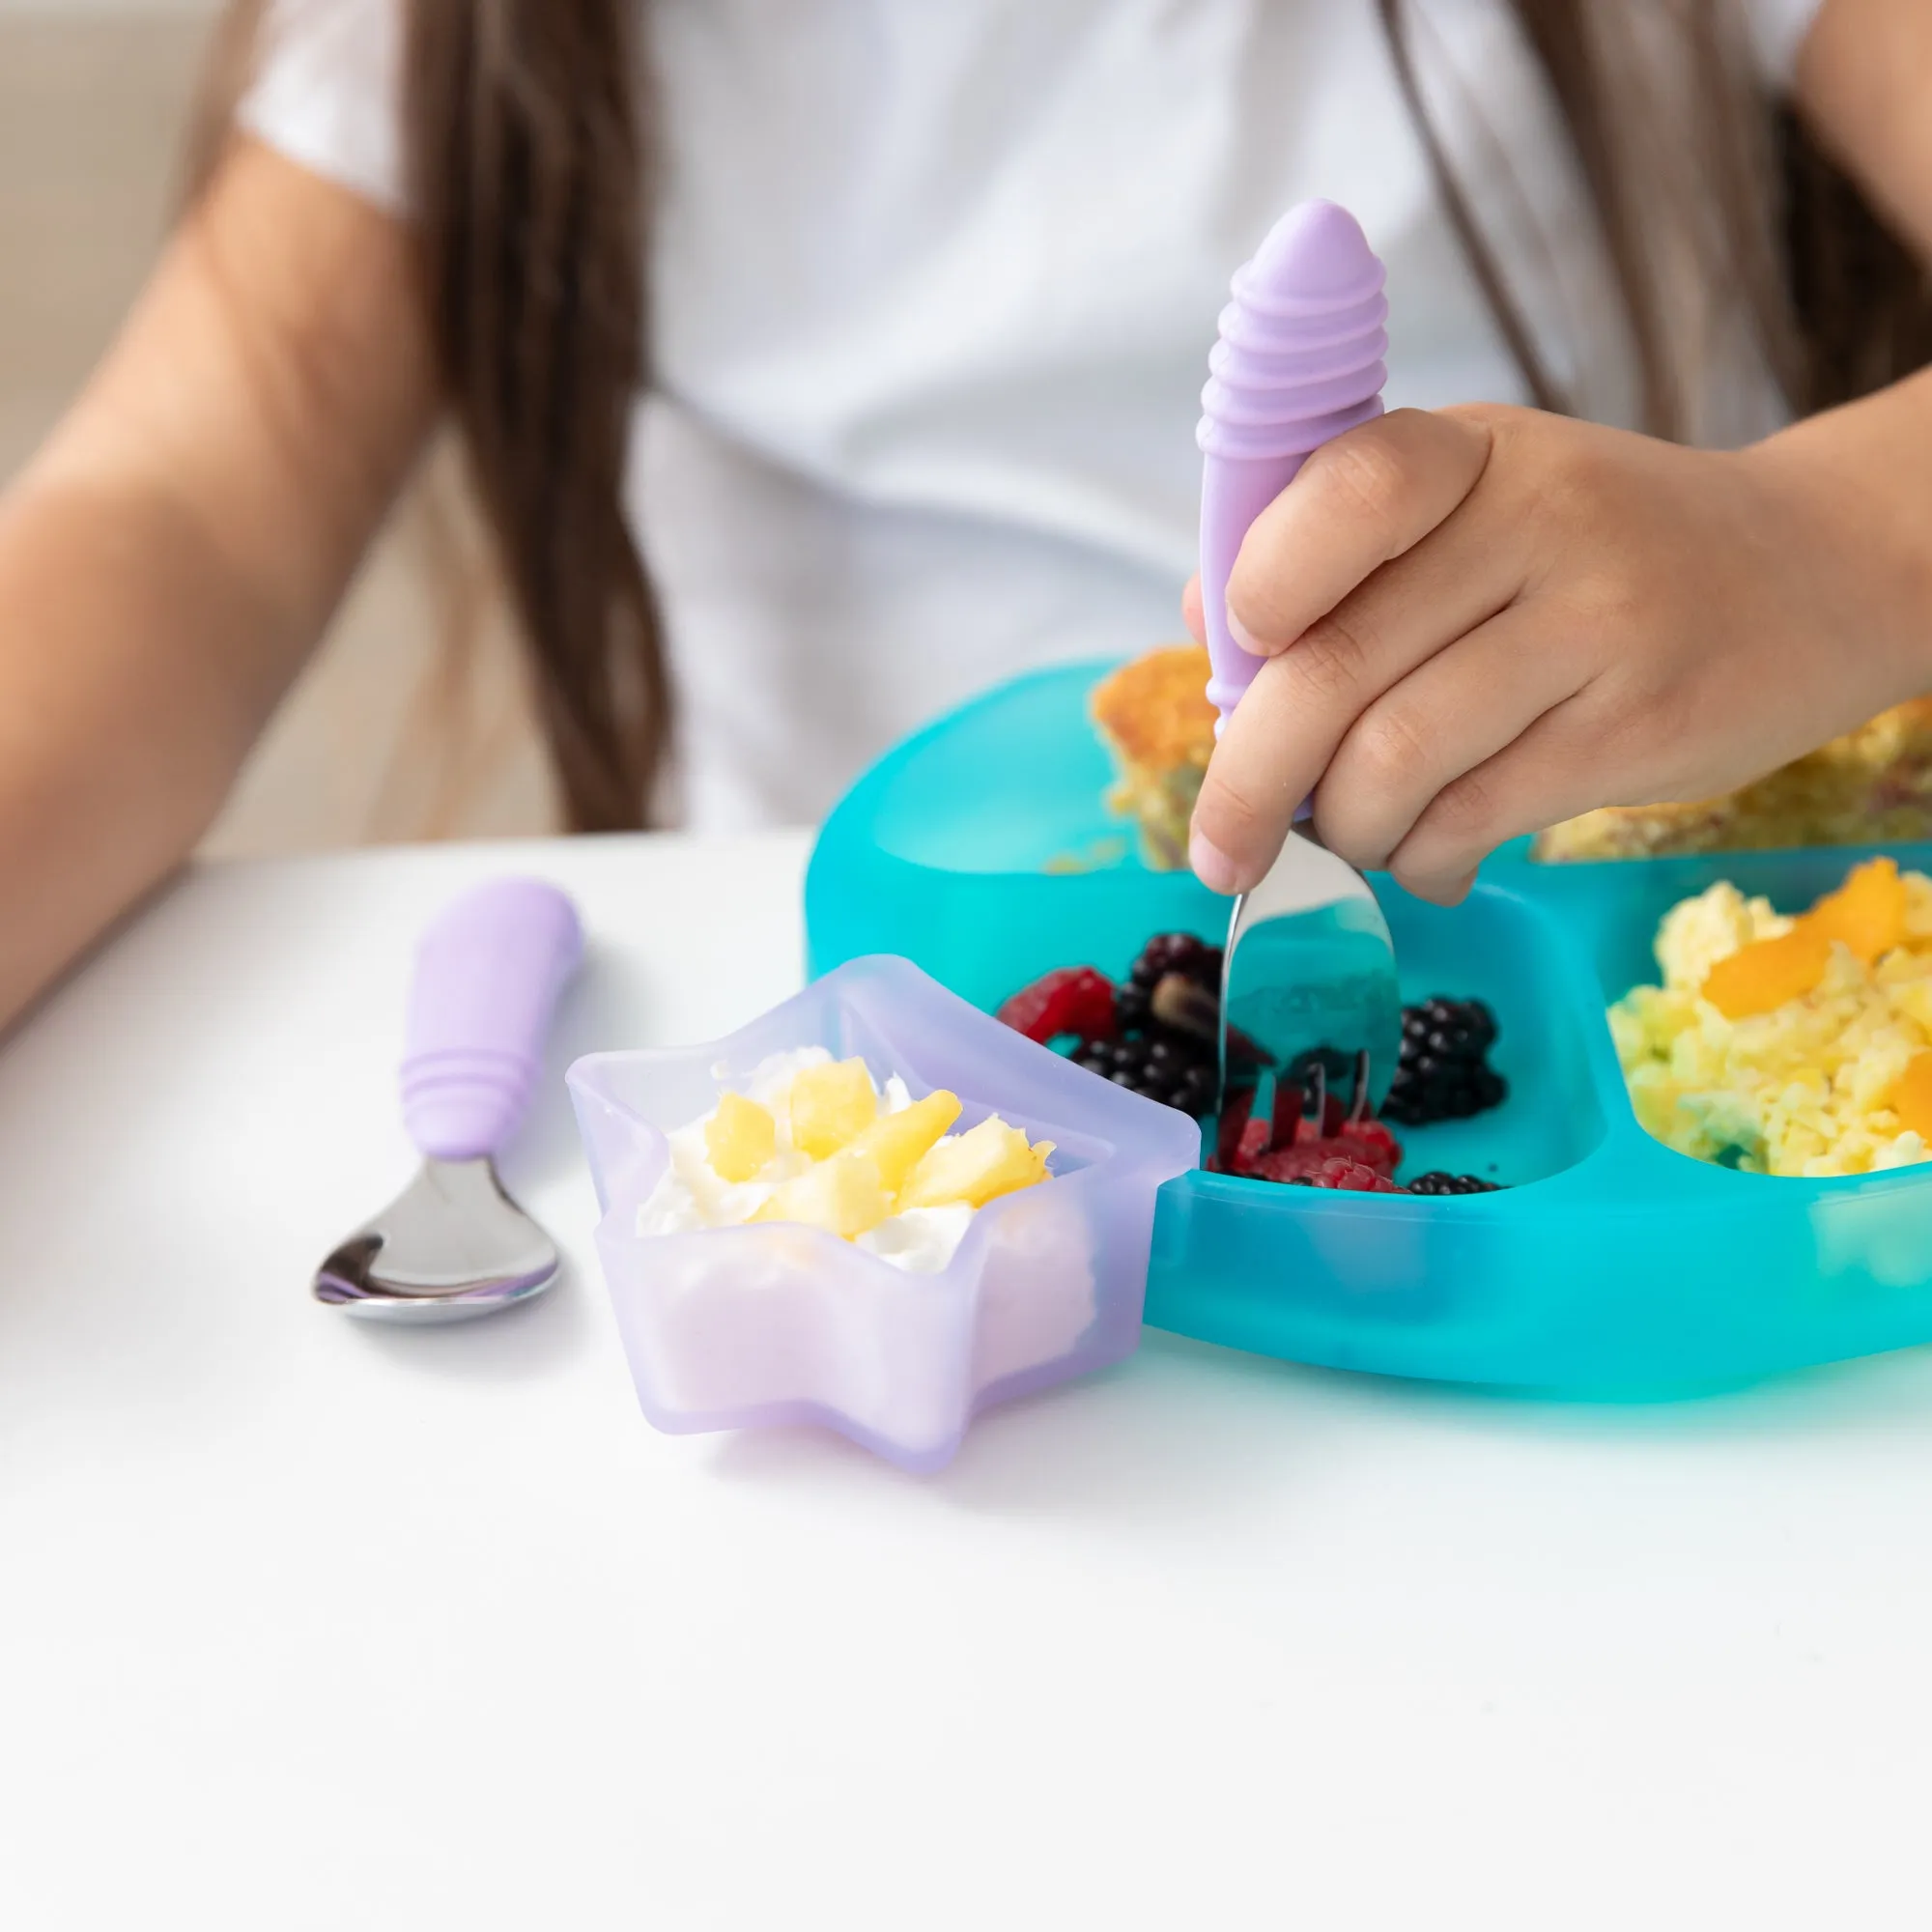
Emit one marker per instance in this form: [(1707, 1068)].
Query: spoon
[(454, 1246), (1310, 971)]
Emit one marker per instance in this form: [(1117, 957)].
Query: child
[(920, 298)]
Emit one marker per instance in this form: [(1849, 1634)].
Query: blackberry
[(1451, 1183), (1444, 1072), (1170, 1068), (1177, 953), (1133, 1005)]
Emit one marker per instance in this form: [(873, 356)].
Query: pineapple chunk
[(739, 1138), (830, 1105), (844, 1195), (981, 1165), (899, 1140)]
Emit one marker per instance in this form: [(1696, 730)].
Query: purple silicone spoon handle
[(488, 974), (1300, 361)]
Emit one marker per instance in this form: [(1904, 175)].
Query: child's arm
[(170, 558), (1482, 621)]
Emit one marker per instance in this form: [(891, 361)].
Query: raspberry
[(1370, 1143), (1074, 999), (1352, 1177), (1310, 1142), (1317, 1120), (1303, 1162), (1232, 1131), (1296, 1121), (1308, 1131), (1295, 1164)]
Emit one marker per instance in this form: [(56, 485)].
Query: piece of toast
[(1870, 786), (1153, 716)]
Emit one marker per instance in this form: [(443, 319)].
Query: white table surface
[(305, 1623)]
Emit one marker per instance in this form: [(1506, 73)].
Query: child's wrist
[(1856, 485)]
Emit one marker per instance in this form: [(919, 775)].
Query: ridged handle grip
[(1300, 361), (488, 974)]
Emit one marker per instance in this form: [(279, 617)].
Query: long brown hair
[(527, 177), (1733, 188), (528, 163)]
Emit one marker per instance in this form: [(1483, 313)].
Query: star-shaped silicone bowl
[(753, 1326)]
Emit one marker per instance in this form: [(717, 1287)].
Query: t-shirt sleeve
[(1777, 29), (328, 91)]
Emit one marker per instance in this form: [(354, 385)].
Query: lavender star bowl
[(774, 1325)]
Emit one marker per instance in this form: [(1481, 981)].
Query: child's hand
[(1484, 620)]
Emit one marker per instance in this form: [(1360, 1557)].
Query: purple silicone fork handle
[(488, 974), (1300, 361)]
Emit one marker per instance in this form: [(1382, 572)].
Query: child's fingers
[(1304, 700), (1359, 502), (1532, 782), (1191, 611), (1466, 571), (1455, 711), (1255, 784)]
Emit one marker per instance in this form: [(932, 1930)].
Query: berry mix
[(1157, 1034)]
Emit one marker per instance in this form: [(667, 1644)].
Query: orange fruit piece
[(1759, 978), (1912, 1097), (1866, 914)]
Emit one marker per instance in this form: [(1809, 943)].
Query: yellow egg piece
[(899, 1142), (1760, 978), (739, 1138), (979, 1166), (829, 1106), (1821, 1081)]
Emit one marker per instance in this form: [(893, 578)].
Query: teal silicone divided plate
[(1609, 1264)]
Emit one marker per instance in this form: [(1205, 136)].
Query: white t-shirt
[(934, 286)]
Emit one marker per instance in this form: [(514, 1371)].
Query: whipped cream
[(691, 1194)]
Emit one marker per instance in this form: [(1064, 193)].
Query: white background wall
[(390, 736)]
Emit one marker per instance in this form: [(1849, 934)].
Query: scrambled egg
[(1806, 1089)]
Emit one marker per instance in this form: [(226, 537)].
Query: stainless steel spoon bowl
[(451, 1247), (454, 1246)]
